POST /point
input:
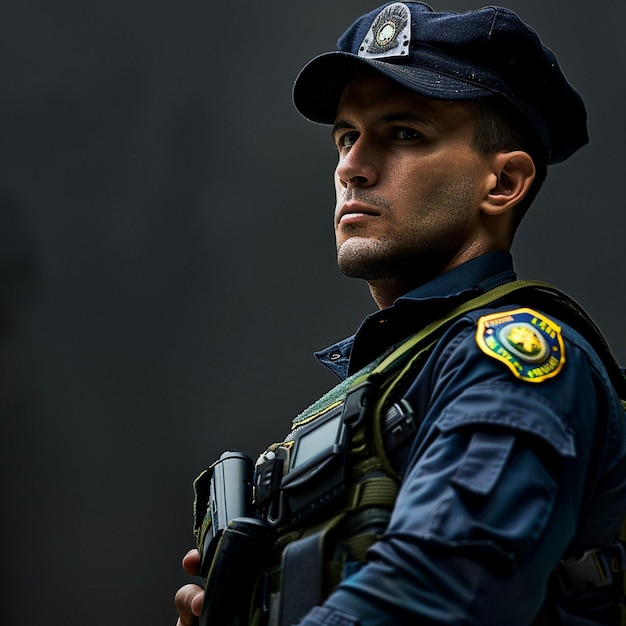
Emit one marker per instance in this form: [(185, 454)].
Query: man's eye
[(347, 140), (407, 134)]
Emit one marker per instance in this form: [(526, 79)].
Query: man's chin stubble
[(364, 259)]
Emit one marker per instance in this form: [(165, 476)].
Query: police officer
[(512, 483)]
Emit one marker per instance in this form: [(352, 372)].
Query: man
[(511, 459)]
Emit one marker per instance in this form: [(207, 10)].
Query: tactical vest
[(330, 510)]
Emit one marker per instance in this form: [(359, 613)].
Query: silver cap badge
[(389, 35)]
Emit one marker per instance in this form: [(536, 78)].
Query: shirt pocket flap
[(508, 408)]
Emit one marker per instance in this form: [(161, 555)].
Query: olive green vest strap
[(375, 491)]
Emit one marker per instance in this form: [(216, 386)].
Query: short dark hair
[(498, 127)]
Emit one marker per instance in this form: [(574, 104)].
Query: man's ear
[(512, 176)]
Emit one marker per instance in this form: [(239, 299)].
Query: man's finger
[(191, 562), (188, 601)]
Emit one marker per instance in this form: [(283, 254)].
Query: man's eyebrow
[(398, 116), (341, 125), (410, 117)]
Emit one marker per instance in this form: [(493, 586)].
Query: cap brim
[(318, 88)]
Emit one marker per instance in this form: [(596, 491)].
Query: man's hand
[(189, 598)]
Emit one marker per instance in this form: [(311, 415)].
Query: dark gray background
[(167, 267)]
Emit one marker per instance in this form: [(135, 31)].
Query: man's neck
[(385, 291)]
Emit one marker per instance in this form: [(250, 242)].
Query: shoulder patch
[(527, 342)]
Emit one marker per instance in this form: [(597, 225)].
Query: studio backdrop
[(167, 267)]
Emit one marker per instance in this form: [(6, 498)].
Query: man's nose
[(356, 167)]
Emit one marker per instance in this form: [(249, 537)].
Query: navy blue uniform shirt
[(503, 479)]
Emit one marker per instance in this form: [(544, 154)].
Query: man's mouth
[(353, 211)]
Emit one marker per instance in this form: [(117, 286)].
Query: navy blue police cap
[(452, 56)]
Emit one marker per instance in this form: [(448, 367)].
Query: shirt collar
[(415, 309), (479, 274)]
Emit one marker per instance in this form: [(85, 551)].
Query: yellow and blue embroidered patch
[(527, 342)]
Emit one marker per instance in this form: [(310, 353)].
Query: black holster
[(240, 557)]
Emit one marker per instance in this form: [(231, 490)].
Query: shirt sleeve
[(490, 499)]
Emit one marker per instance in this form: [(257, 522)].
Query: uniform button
[(334, 356)]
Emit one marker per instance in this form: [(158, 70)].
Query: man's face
[(408, 183)]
